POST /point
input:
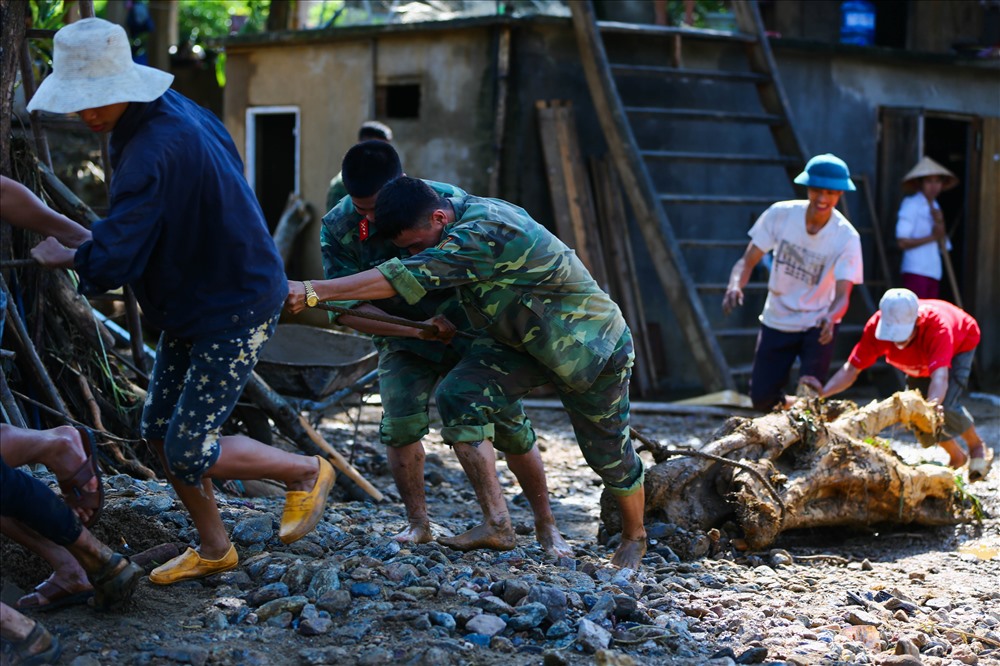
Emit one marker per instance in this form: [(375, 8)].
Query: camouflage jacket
[(345, 253), (519, 283)]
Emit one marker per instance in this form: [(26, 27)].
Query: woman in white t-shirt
[(920, 227)]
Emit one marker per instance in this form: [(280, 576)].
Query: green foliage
[(966, 498), (879, 443), (199, 22)]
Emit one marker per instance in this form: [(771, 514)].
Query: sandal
[(48, 656), (73, 491), (115, 582), (57, 596)]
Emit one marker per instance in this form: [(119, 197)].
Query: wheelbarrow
[(315, 368)]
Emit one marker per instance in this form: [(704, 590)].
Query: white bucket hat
[(899, 308), (92, 66)]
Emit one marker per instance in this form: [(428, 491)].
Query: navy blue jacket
[(184, 229)]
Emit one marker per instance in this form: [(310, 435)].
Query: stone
[(754, 655), (267, 593), (365, 590), (862, 617), (592, 637), (334, 601), (906, 646), (494, 605), (552, 598), (255, 529), (528, 616), (323, 581), (441, 619), (284, 605), (151, 505), (486, 624)]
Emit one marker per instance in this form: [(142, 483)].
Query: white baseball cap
[(91, 67), (899, 315)]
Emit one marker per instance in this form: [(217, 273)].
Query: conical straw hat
[(928, 167)]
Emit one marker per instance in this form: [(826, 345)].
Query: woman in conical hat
[(920, 227)]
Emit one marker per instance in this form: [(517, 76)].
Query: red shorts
[(921, 285)]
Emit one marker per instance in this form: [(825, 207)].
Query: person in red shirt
[(933, 343)]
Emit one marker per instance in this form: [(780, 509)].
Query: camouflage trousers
[(193, 389), (490, 377), (406, 382)]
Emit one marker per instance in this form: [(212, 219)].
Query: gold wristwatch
[(311, 298)]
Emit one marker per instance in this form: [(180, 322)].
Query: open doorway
[(272, 149), (906, 135)]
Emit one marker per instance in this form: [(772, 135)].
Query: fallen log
[(816, 465)]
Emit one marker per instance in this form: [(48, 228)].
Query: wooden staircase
[(701, 152)]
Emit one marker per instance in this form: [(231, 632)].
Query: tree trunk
[(13, 14), (814, 469), (279, 15)]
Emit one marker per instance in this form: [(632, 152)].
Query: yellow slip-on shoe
[(304, 509), (190, 565)]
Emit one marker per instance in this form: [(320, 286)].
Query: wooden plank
[(723, 200), (499, 119), (569, 185), (986, 293), (735, 158), (614, 27), (624, 70), (621, 268), (706, 115), (666, 255)]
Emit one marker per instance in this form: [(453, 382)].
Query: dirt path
[(800, 603)]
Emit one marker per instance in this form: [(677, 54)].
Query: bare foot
[(551, 541), (629, 553), (483, 536), (416, 533)]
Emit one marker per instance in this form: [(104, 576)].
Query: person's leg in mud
[(30, 641), (600, 418), (60, 449), (514, 436), (478, 392), (194, 387), (406, 381)]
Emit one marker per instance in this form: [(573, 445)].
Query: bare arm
[(840, 381), (20, 207), (938, 386), (368, 285), (841, 299), (739, 277)]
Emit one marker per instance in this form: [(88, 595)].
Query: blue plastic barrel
[(857, 22)]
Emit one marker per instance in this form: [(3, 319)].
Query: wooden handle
[(339, 461)]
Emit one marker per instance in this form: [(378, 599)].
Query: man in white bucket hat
[(186, 232), (920, 227), (933, 343), (817, 261)]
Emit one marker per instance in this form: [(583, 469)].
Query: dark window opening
[(891, 18), (274, 163), (398, 101)]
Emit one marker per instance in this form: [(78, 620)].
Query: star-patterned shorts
[(193, 389)]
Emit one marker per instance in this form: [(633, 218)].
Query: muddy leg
[(530, 473), (633, 545), (496, 531), (407, 465)]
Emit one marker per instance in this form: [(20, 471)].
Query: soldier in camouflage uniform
[(528, 291), (409, 366)]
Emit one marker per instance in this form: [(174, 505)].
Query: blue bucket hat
[(826, 172)]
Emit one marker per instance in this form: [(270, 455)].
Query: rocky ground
[(348, 594)]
